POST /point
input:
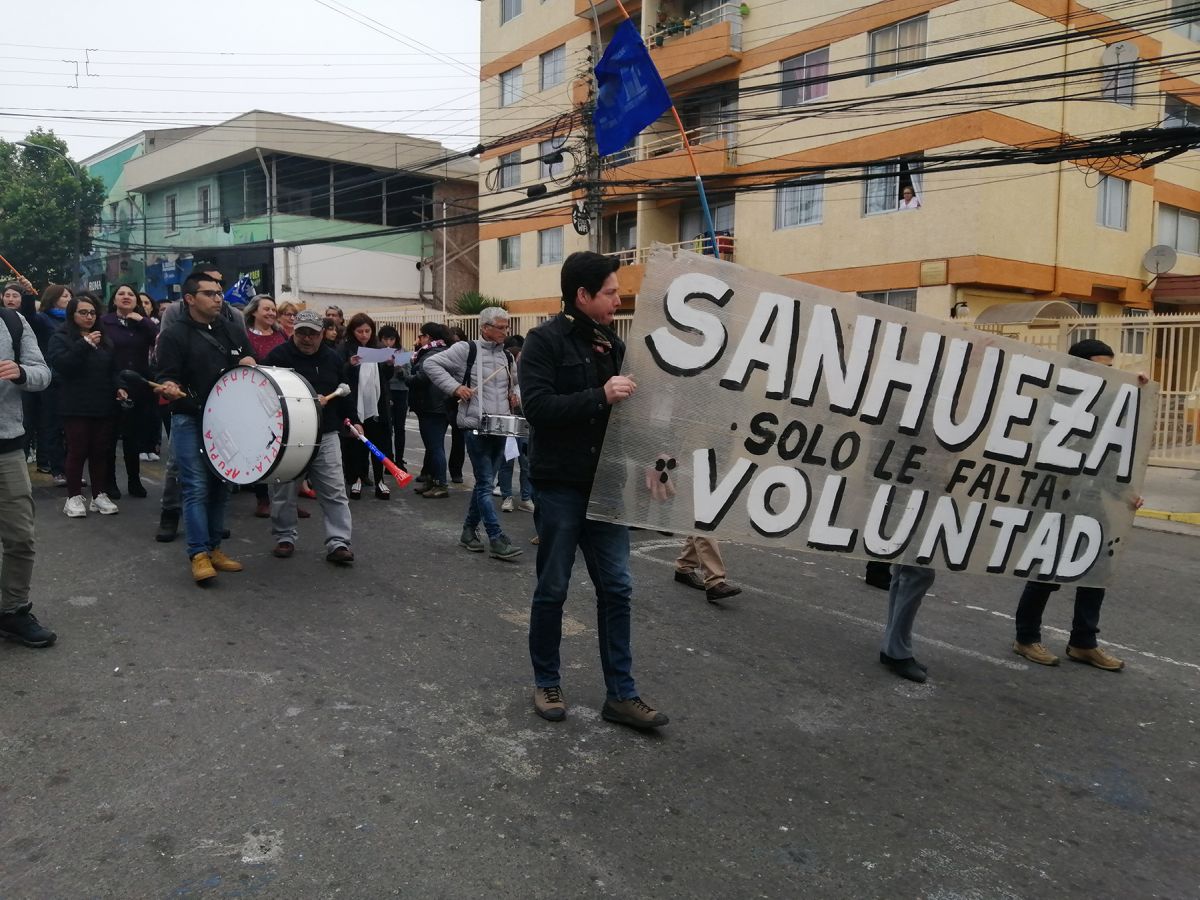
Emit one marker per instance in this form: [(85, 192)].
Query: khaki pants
[(16, 532), (702, 553)]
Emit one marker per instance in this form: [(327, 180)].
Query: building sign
[(778, 413)]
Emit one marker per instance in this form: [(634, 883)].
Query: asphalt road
[(302, 731)]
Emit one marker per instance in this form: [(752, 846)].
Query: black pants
[(132, 425), (458, 453), (1084, 626), (399, 419), (357, 461)]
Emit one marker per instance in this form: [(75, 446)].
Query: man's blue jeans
[(204, 494), (562, 526), (487, 454), (433, 436)]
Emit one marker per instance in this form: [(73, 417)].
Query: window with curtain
[(885, 183), (1113, 208), (552, 67), (1179, 228), (903, 42), (804, 77), (510, 86), (509, 10), (691, 218), (509, 171), (550, 246), (799, 203), (510, 252)]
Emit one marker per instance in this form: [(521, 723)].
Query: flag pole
[(687, 145)]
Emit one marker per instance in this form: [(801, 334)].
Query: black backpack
[(16, 327)]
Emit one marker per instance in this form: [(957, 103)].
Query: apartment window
[(897, 44), (203, 205), (509, 10), (510, 86), (892, 185), (800, 203), (172, 222), (1133, 339), (509, 171), (112, 208), (510, 252), (550, 246), (1113, 210), (1186, 14), (805, 77), (906, 299), (1117, 82), (549, 148), (1179, 113), (1087, 311), (692, 226), (1179, 228), (552, 67)]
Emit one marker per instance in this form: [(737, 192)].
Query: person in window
[(909, 198)]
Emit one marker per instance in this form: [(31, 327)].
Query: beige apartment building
[(772, 85)]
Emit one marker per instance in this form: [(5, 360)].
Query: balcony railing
[(671, 142), (688, 24), (639, 256)]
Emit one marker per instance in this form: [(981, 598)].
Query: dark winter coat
[(86, 376)]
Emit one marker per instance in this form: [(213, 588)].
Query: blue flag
[(631, 93)]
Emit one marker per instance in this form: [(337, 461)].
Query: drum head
[(249, 425)]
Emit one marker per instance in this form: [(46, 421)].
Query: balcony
[(663, 155), (686, 47), (634, 259)]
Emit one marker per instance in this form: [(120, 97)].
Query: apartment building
[(885, 91), (258, 194)]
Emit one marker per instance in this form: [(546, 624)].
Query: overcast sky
[(409, 66)]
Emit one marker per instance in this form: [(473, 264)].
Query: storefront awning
[(1027, 312), (1183, 290)]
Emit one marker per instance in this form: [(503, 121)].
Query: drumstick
[(343, 390), (128, 375), (402, 477), (11, 266)]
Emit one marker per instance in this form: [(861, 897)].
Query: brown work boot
[(632, 712), (1035, 653), (1094, 656), (202, 568), (550, 704), (223, 563)]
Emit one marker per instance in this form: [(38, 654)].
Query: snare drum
[(259, 423), (504, 426)]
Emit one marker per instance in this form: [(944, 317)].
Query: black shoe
[(225, 534), (905, 668), (136, 489), (722, 590), (114, 492), (342, 556), (691, 578), (24, 628), (168, 526)]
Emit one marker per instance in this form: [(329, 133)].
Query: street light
[(75, 267)]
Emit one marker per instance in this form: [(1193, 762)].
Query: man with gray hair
[(480, 375)]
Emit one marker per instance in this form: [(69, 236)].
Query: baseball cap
[(308, 319)]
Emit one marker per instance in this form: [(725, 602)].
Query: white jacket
[(492, 388)]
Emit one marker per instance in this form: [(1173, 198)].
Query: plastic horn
[(402, 478), (343, 390)]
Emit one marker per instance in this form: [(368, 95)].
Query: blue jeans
[(433, 436), (506, 472), (204, 494), (909, 584), (487, 453), (562, 525)]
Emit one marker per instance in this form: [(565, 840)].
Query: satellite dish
[(1118, 53), (1160, 259)]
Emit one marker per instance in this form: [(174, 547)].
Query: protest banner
[(778, 413)]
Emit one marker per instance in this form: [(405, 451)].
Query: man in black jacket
[(324, 369), (193, 352), (570, 381)]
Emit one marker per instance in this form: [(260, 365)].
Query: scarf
[(600, 338), (368, 391)]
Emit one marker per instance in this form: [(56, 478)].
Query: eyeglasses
[(89, 313), (497, 327), (288, 315), (210, 294)]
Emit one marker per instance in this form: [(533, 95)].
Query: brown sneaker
[(284, 549), (1035, 653), (632, 712), (722, 590), (550, 704), (436, 491), (202, 568), (223, 563), (1094, 656)]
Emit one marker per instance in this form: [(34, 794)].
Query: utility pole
[(444, 236)]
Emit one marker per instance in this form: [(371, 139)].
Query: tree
[(47, 208)]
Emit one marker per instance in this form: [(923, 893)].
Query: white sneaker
[(152, 457), (101, 504), (496, 491), (144, 457), (507, 505), (75, 508), (526, 506)]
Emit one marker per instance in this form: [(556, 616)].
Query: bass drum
[(260, 423)]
